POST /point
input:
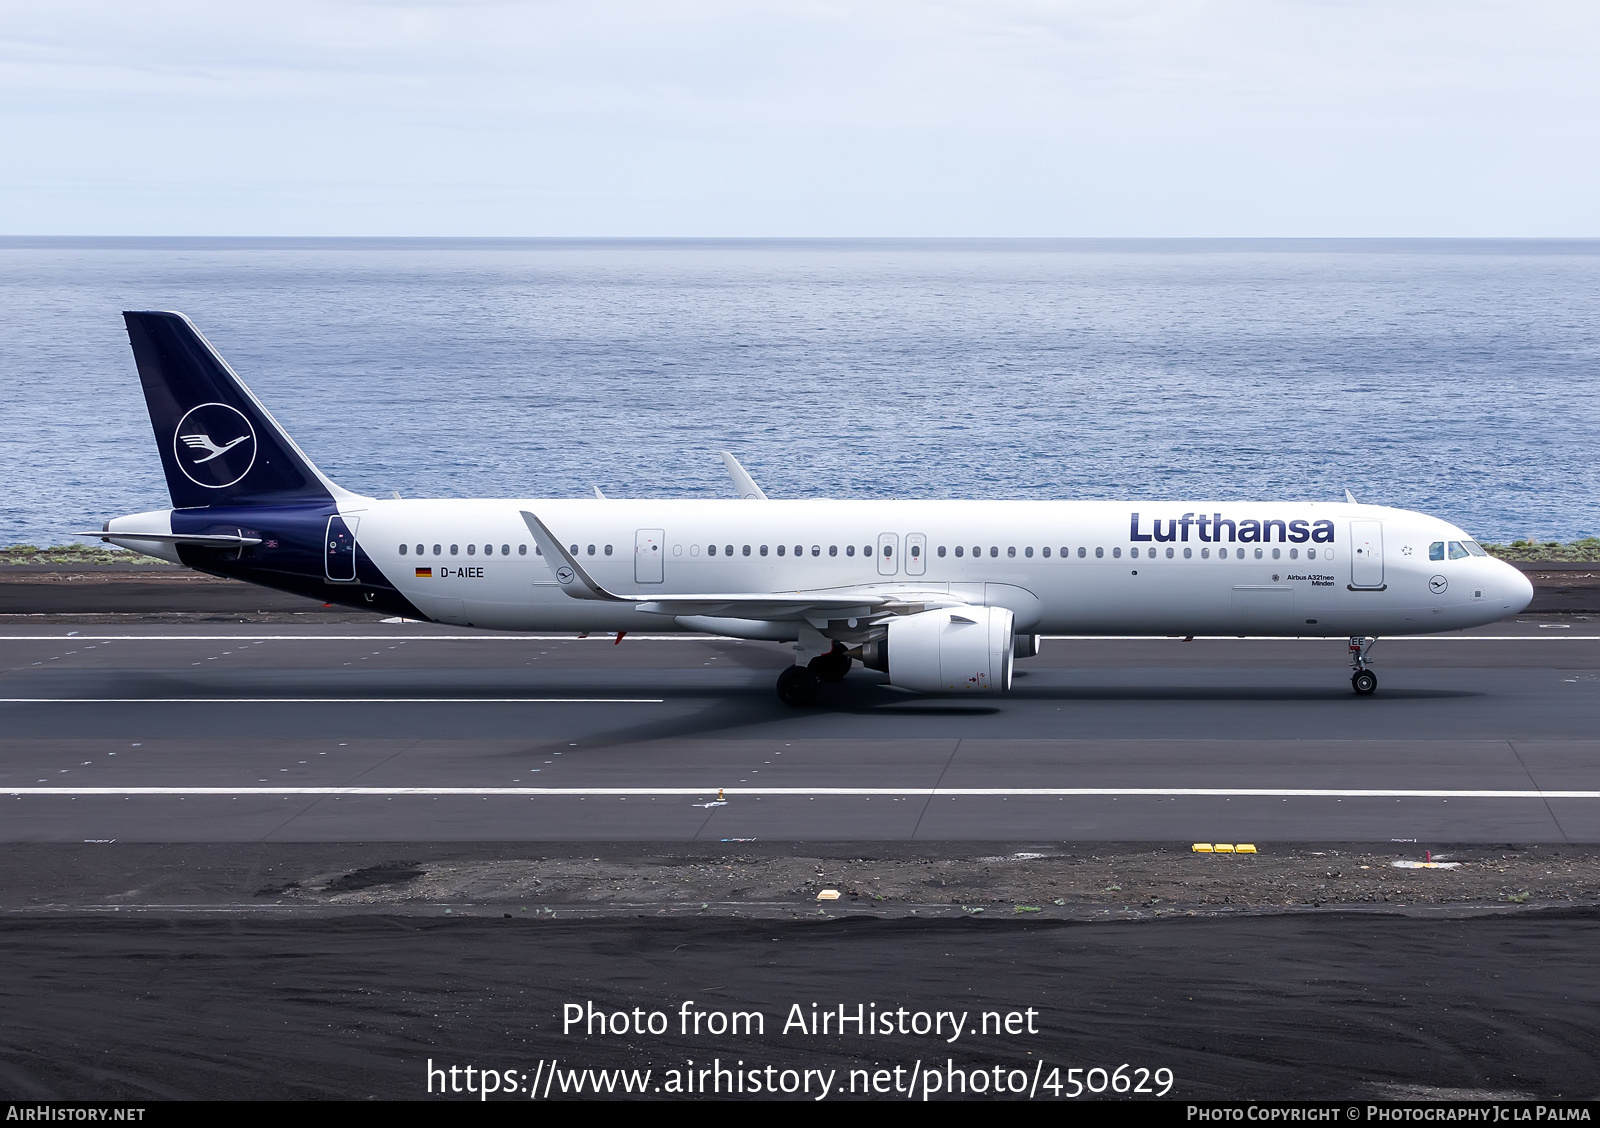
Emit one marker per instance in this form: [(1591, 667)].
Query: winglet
[(598, 494), (1350, 497), (743, 484), (569, 573)]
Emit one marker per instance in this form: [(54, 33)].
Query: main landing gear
[(802, 685), (799, 685), (1362, 679), (832, 666)]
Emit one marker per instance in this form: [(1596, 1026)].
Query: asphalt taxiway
[(407, 732)]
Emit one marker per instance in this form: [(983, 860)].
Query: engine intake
[(951, 650)]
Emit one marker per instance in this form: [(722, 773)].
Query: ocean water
[(1461, 378)]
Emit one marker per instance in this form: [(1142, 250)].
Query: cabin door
[(1366, 554), (340, 549)]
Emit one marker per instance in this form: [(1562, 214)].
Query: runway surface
[(406, 732)]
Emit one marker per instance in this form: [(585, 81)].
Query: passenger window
[(711, 550), (816, 550), (888, 551), (849, 550), (1082, 552), (1294, 554), (1012, 552), (1169, 553), (436, 550), (488, 550), (1205, 554), (572, 548), (1311, 554), (1117, 553), (977, 550), (1276, 553), (866, 550), (1134, 552), (1436, 550), (472, 550), (747, 550), (1457, 552), (419, 549), (608, 550), (782, 549), (799, 550), (1099, 552), (941, 550), (916, 552), (1028, 552), (1046, 551), (763, 550), (1258, 554), (1188, 553), (505, 549), (522, 550), (727, 550), (833, 550), (455, 549), (402, 550), (960, 549), (994, 550)]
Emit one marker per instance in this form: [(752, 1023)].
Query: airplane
[(940, 596)]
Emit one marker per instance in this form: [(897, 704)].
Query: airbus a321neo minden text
[(940, 596)]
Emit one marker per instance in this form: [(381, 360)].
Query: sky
[(892, 118)]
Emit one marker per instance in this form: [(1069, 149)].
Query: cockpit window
[(1457, 552), (1475, 548), (1436, 550)]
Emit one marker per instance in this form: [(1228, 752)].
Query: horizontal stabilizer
[(213, 540)]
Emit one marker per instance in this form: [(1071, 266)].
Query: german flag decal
[(424, 573)]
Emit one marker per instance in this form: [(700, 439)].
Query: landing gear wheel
[(1363, 681), (831, 667), (799, 686)]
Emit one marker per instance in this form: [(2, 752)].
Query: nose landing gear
[(1362, 679)]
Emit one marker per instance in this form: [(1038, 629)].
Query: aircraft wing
[(835, 603), (743, 484)]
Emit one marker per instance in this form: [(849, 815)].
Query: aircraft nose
[(1518, 588)]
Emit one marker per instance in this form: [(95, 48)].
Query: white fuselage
[(1061, 567)]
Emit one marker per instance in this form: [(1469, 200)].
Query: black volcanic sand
[(1331, 1005)]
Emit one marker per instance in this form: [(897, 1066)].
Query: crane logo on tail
[(214, 445)]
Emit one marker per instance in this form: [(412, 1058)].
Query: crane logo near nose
[(1438, 584)]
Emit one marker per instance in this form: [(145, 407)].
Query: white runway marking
[(933, 792), (332, 700)]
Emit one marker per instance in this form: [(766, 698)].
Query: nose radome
[(1518, 588)]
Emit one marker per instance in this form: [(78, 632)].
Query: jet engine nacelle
[(951, 650)]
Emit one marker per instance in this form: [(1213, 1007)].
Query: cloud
[(800, 118)]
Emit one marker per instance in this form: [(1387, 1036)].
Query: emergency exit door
[(648, 554), (888, 551)]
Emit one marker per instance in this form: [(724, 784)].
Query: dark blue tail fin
[(218, 444)]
